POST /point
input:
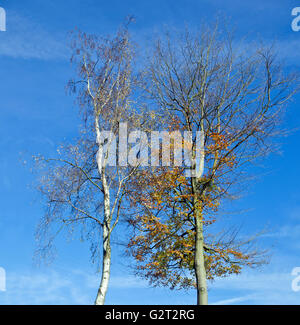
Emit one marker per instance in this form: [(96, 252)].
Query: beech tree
[(234, 99), (83, 187)]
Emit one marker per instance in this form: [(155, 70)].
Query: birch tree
[(84, 185), (204, 83)]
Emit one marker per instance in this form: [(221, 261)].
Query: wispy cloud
[(291, 231), (42, 288), (257, 288), (26, 39), (233, 300), (77, 287), (63, 286)]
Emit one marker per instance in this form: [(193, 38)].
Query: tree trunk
[(100, 299), (106, 262), (199, 262)]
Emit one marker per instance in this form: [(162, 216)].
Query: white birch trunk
[(106, 262), (106, 259)]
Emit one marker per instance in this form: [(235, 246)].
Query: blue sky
[(36, 115)]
